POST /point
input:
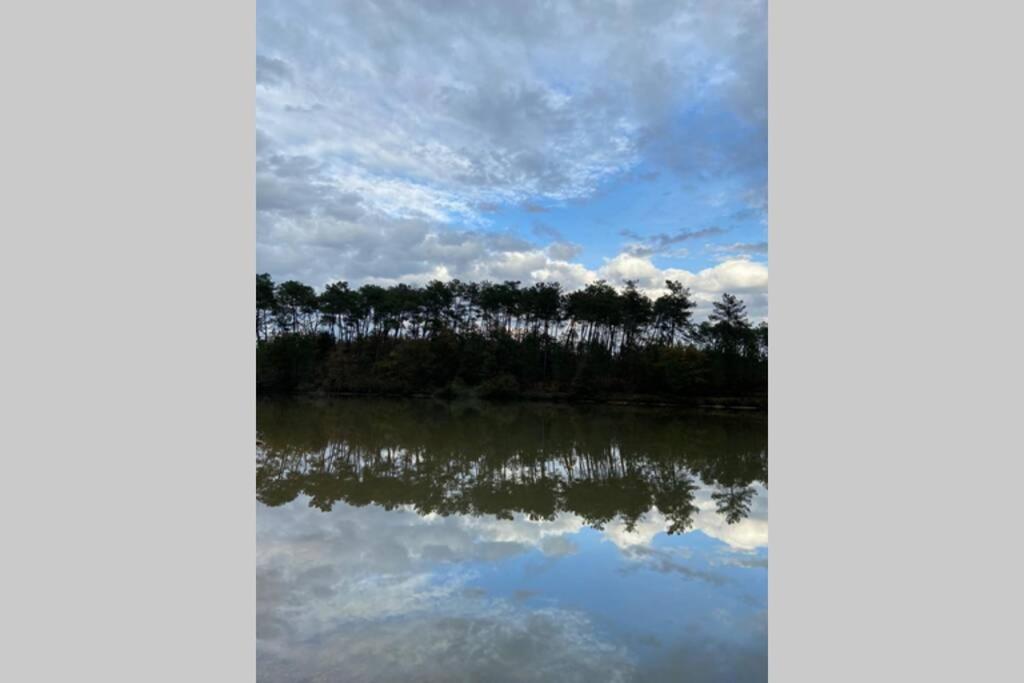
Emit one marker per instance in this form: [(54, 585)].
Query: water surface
[(426, 541)]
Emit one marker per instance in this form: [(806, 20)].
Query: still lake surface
[(413, 540)]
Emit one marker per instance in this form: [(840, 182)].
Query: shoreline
[(756, 403)]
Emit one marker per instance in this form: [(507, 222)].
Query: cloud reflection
[(399, 591)]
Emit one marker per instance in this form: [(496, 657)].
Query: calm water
[(424, 541)]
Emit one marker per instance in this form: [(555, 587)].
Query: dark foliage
[(501, 340)]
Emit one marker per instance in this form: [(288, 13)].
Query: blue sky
[(570, 141)]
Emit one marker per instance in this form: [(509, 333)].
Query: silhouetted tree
[(297, 307), (673, 312), (265, 304), (505, 339), (729, 326), (635, 314)]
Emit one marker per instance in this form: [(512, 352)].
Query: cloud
[(477, 106), (742, 277), (662, 241), (542, 229), (706, 659), (447, 97), (386, 594), (386, 148), (366, 589), (564, 250), (489, 643), (558, 546), (665, 562), (743, 248), (272, 71)]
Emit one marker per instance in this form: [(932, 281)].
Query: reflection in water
[(537, 460), (414, 540)]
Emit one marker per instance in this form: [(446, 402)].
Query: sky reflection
[(364, 593)]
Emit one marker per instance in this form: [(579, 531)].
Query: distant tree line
[(503, 339)]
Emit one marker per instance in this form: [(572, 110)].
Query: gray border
[(128, 364), (128, 360), (893, 173)]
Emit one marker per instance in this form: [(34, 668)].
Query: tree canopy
[(504, 337)]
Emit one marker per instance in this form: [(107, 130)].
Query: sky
[(561, 141)]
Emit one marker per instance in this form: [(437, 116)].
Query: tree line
[(503, 338)]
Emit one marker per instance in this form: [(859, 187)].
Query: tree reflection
[(733, 502), (600, 463)]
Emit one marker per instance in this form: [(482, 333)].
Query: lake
[(417, 540)]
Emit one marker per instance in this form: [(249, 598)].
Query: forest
[(504, 340)]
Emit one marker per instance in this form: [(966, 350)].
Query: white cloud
[(742, 277)]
